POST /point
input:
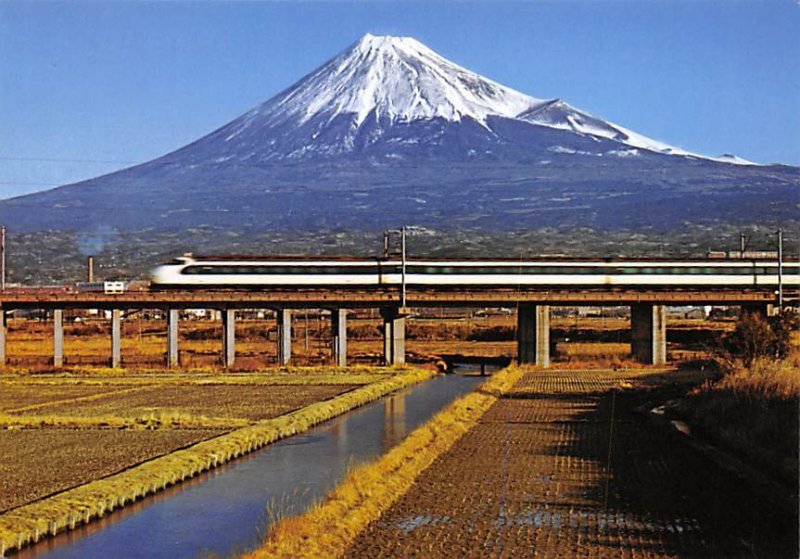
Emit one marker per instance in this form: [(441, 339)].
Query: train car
[(238, 272)]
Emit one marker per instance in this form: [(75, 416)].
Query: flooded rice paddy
[(230, 509)]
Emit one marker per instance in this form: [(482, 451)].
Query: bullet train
[(273, 272)]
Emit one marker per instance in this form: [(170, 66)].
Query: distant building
[(108, 286)]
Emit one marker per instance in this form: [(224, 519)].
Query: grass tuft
[(753, 410)]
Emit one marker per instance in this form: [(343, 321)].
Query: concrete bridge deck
[(365, 298)]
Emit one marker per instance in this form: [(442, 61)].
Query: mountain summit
[(397, 79), (388, 133), (361, 99)]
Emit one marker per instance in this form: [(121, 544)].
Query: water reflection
[(229, 509), (394, 420)]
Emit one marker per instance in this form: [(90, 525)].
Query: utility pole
[(780, 270), (3, 258), (403, 269), (386, 253), (742, 244)]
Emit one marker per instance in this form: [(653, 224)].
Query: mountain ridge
[(390, 133)]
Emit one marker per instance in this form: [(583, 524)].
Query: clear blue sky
[(86, 88)]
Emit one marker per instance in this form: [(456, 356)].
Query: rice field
[(72, 442), (237, 401), (37, 463), (565, 468)]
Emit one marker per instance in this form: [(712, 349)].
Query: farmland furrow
[(562, 467)]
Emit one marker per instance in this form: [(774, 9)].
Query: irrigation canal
[(229, 509)]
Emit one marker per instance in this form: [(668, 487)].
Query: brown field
[(60, 431), (37, 463), (245, 401), (16, 396), (562, 466)]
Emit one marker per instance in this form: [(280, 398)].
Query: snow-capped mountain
[(389, 132), (393, 78), (348, 104)]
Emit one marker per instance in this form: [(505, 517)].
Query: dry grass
[(106, 377), (753, 410), (157, 419), (28, 523), (765, 379), (328, 528)]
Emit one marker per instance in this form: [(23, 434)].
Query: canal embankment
[(369, 490)]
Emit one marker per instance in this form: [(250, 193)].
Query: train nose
[(160, 274)]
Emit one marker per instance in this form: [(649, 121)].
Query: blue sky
[(89, 87)]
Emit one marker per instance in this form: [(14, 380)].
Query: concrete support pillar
[(533, 334), (394, 335), (228, 337), (58, 338), (339, 331), (761, 309), (116, 338), (3, 330), (649, 333), (284, 320), (172, 338)]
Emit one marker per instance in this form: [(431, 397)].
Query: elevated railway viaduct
[(648, 320)]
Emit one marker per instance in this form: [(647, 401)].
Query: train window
[(191, 270), (409, 269)]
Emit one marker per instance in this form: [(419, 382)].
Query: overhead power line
[(60, 160)]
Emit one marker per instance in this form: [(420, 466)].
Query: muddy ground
[(39, 462), (563, 466)]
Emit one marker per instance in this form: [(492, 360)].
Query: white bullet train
[(273, 272)]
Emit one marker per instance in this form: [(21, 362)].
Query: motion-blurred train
[(271, 272)]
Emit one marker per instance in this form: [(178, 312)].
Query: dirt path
[(533, 479)]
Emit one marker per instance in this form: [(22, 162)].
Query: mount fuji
[(390, 133)]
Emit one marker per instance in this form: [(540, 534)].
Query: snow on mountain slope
[(382, 81), (558, 114), (398, 78)]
